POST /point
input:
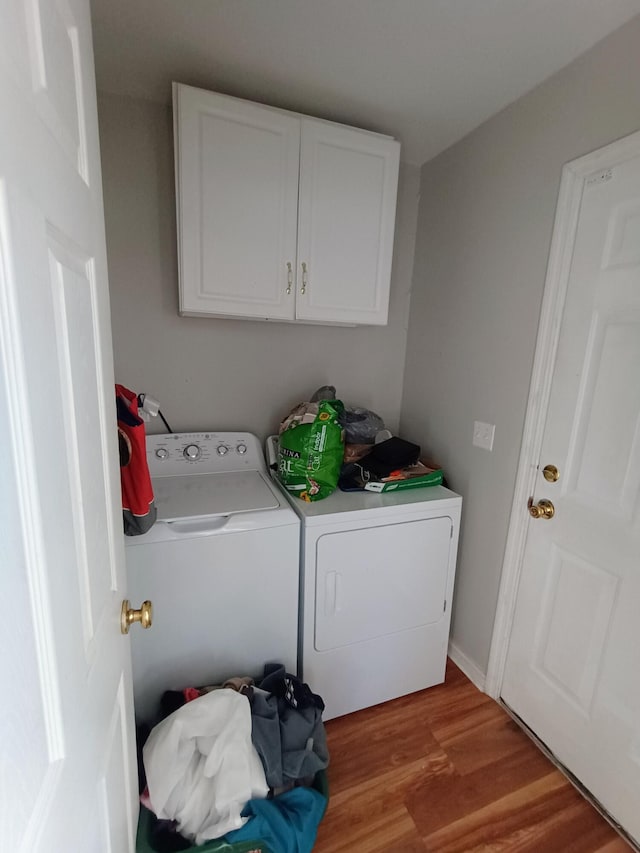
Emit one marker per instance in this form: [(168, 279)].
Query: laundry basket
[(148, 820)]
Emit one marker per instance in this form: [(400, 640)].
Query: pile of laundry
[(237, 762)]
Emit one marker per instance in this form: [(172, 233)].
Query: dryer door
[(380, 580)]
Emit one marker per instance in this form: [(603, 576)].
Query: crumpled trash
[(325, 392), (360, 425)]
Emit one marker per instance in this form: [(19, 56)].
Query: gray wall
[(225, 374), (484, 228)]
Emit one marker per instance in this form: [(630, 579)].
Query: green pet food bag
[(310, 454)]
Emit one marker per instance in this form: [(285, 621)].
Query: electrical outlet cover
[(483, 435)]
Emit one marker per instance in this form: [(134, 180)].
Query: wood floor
[(447, 770)]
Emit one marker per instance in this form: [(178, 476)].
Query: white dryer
[(220, 566), (377, 575)]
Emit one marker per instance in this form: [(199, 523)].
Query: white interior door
[(574, 654), (67, 780)]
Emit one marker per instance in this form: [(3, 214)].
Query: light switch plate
[(483, 435)]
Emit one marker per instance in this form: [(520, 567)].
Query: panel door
[(67, 777), (574, 655), (348, 187), (237, 199), (380, 580)]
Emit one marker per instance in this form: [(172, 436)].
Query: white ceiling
[(425, 71)]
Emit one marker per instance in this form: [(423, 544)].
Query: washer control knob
[(191, 451), (221, 449), (242, 449), (162, 453)]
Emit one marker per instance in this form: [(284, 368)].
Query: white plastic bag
[(202, 767)]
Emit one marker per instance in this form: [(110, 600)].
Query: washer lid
[(204, 495)]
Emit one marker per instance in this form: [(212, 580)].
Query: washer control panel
[(181, 453)]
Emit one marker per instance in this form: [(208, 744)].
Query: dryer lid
[(205, 495)]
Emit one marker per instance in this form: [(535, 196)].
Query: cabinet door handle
[(303, 289), (289, 277)]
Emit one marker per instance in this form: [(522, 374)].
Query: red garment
[(191, 693), (138, 508)]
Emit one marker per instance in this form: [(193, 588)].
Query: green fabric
[(147, 820), (217, 845)]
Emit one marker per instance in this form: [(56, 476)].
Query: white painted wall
[(225, 374), (485, 221)]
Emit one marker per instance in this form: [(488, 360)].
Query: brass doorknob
[(128, 615), (543, 509)]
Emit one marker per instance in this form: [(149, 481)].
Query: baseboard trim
[(471, 670)]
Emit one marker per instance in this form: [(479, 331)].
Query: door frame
[(575, 175)]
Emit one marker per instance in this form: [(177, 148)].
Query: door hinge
[(444, 609)]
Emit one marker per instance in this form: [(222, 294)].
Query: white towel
[(202, 767)]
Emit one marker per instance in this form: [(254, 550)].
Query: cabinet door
[(346, 219), (237, 194)]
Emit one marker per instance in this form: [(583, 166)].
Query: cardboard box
[(423, 473)]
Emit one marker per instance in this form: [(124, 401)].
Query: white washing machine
[(376, 584), (220, 566)]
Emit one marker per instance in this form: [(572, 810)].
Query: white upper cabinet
[(280, 216)]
